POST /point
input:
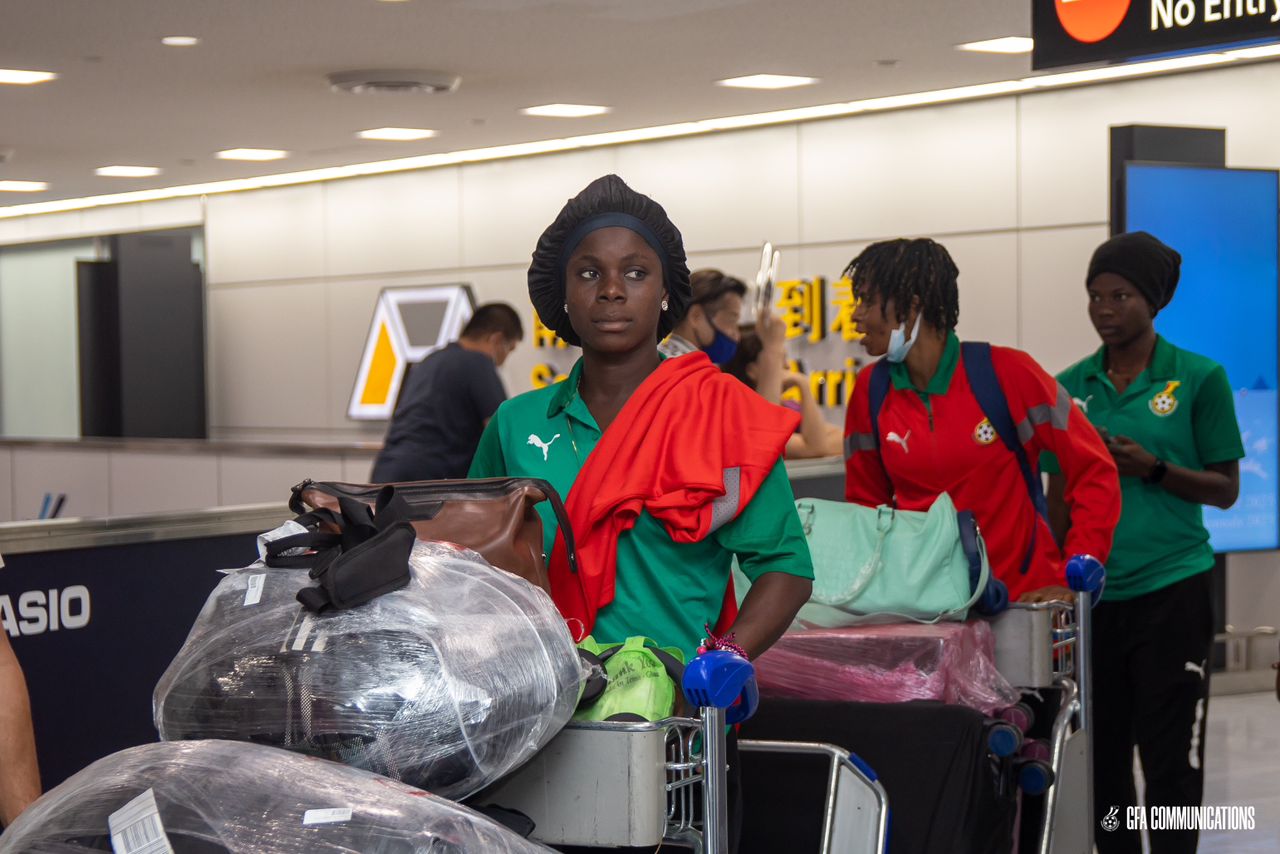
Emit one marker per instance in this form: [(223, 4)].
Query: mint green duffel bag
[(880, 564)]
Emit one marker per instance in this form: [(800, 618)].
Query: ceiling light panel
[(397, 134), (127, 171), (16, 77), (566, 111), (767, 81), (23, 186), (180, 41), (683, 129), (1008, 44), (252, 154)]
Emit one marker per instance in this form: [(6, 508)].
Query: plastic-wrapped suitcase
[(222, 797)]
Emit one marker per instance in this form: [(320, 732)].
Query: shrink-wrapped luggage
[(221, 797), (447, 683)]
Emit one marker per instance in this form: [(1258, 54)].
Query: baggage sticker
[(327, 816), (253, 593), (136, 827)]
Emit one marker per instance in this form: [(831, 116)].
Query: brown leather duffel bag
[(495, 517)]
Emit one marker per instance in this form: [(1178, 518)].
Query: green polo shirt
[(900, 377), (1182, 410), (664, 590)]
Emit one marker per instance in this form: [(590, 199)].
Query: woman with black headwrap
[(1168, 418), (671, 468)]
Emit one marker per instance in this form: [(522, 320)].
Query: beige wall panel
[(723, 190), (357, 468), (926, 171), (506, 205), (1253, 599), (162, 483), (1055, 319), (268, 356), (172, 213), (82, 475), (266, 234), (6, 485), (407, 221), (111, 219), (259, 480), (54, 226), (13, 230), (1066, 138)]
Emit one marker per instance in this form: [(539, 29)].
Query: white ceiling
[(258, 77)]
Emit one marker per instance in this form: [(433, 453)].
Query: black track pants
[(1151, 690)]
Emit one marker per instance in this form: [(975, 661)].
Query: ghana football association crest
[(985, 433), (1165, 403)]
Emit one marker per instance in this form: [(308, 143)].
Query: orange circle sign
[(1091, 21)]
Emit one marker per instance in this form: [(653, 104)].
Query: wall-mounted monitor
[(1226, 224)]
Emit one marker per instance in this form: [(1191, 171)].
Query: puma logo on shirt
[(1192, 667), (899, 440), (545, 446)]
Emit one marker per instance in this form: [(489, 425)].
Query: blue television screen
[(1225, 224)]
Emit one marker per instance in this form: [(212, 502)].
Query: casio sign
[(40, 611)]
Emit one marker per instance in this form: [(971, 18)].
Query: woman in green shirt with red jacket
[(670, 467), (1168, 418)]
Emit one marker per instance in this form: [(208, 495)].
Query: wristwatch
[(1157, 473)]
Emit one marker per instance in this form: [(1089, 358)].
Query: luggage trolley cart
[(615, 784), (1047, 645)]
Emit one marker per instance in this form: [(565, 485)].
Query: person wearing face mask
[(1169, 419), (931, 435), (711, 323)]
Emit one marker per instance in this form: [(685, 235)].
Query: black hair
[(902, 270), (608, 194), (494, 317), (749, 350), (711, 286)]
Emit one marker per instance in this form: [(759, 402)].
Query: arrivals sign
[(1077, 32)]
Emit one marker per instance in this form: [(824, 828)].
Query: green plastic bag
[(880, 564), (643, 681)]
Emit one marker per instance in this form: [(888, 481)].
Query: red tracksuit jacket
[(670, 451), (952, 449)]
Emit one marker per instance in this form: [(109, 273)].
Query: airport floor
[(1242, 767)]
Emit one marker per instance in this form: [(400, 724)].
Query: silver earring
[(664, 305), (566, 308)]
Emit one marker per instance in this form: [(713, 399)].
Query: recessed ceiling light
[(397, 134), (23, 186), (25, 78), (1008, 44), (642, 134), (127, 171), (767, 81), (252, 154), (180, 41), (565, 111)]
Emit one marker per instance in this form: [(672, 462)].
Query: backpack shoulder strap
[(981, 373), (877, 392)]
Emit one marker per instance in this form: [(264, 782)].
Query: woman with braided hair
[(915, 427)]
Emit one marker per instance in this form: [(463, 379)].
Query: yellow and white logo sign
[(408, 324), (985, 433), (1165, 404)]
